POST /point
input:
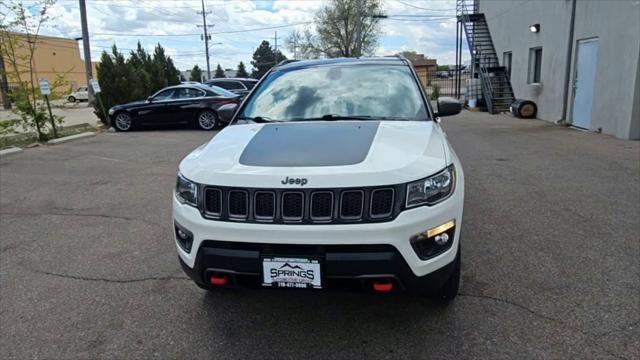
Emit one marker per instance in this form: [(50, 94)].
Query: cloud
[(135, 18)]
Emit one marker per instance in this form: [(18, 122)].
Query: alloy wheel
[(207, 120), (123, 122)]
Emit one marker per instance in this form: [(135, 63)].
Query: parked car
[(443, 74), (81, 94), (334, 172), (240, 86), (195, 104)]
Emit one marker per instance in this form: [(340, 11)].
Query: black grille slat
[(213, 201), (381, 203), (351, 204), (292, 206), (321, 206), (238, 203), (264, 205)]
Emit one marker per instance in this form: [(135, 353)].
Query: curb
[(71, 138), (9, 151)]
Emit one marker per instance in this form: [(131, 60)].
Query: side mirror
[(448, 106), (226, 111), (150, 99)]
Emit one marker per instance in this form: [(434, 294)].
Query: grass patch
[(22, 140)]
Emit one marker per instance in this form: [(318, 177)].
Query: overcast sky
[(174, 25)]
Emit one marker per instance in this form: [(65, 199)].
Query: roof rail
[(403, 58), (284, 62)]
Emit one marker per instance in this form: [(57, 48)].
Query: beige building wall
[(54, 58)]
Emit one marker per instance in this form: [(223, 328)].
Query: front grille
[(381, 202), (321, 206), (302, 206), (238, 204), (213, 202), (292, 206), (351, 204), (265, 205)]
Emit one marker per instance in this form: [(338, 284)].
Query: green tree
[(196, 73), (134, 78), (139, 64), (20, 26), (343, 28), (264, 59), (219, 72), (115, 75), (409, 54), (242, 71)]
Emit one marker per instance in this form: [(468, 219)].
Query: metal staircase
[(496, 87)]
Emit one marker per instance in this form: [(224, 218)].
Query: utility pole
[(87, 50), (206, 37), (275, 52)]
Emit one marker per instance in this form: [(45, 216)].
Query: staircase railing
[(480, 61)]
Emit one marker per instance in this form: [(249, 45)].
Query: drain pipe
[(567, 75)]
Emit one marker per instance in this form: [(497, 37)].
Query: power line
[(211, 33), (421, 8)]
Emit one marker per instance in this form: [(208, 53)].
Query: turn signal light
[(440, 229)]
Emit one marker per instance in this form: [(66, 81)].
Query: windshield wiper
[(257, 119)]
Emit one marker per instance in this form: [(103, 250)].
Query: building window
[(535, 64), (506, 62)]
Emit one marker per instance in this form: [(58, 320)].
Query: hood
[(326, 153)]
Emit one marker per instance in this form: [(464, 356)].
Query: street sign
[(44, 86), (95, 86)]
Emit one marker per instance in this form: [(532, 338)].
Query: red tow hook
[(383, 285), (218, 279)]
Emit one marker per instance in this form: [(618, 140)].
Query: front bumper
[(343, 266), (348, 251)]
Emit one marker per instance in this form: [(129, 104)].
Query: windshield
[(337, 92), (220, 91)]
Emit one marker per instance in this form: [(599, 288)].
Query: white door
[(584, 83)]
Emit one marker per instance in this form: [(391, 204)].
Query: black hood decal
[(310, 144)]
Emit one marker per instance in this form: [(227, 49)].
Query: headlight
[(432, 189), (186, 191), (111, 111)]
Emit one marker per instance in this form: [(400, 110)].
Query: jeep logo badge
[(294, 181)]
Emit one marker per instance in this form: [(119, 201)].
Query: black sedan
[(240, 86), (190, 103)]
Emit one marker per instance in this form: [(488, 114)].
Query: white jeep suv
[(334, 173)]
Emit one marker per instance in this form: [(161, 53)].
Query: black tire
[(207, 120), (524, 109), (449, 290), (72, 99), (120, 121)]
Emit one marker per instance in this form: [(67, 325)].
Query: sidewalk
[(74, 114)]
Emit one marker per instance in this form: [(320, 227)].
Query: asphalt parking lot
[(551, 249)]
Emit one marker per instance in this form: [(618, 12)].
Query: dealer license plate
[(291, 272)]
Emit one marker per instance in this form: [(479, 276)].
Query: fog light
[(184, 237), (434, 241), (441, 239)]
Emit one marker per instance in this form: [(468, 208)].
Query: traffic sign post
[(45, 90), (96, 91)]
